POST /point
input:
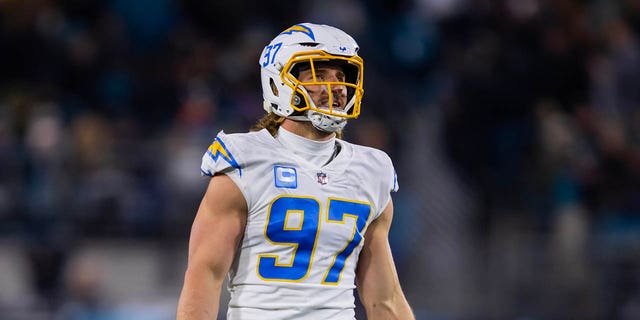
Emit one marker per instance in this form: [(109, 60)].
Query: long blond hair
[(272, 122)]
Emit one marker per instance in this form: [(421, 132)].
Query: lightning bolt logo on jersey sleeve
[(219, 158)]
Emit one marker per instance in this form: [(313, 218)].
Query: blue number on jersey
[(303, 238), (339, 210)]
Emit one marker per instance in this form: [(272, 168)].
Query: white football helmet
[(308, 45)]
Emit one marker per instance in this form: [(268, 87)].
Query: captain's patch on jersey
[(285, 177)]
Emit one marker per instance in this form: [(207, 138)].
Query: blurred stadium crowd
[(514, 126)]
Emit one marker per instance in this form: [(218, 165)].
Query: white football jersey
[(305, 224)]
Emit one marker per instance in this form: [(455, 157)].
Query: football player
[(295, 216)]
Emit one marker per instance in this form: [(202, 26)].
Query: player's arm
[(216, 232), (377, 278)]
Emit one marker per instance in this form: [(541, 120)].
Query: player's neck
[(307, 130)]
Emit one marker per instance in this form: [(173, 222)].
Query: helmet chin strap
[(325, 122), (321, 121)]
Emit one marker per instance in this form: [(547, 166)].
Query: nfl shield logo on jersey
[(322, 178)]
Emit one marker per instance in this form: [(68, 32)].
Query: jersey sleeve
[(220, 158), (389, 181), (394, 186), (384, 179)]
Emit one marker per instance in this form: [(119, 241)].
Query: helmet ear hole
[(273, 86)]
